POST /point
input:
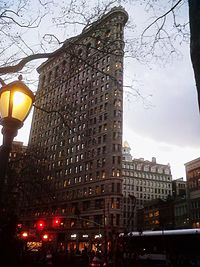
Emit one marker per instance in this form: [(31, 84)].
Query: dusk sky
[(167, 125), (164, 122)]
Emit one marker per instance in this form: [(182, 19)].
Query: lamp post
[(15, 104)]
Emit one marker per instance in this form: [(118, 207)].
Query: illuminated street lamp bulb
[(16, 100)]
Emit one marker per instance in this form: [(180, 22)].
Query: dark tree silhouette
[(194, 16), (13, 19)]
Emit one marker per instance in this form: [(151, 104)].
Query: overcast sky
[(169, 128), (166, 125)]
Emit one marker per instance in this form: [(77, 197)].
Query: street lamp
[(16, 100)]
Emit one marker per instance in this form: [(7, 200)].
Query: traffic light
[(40, 225), (56, 222)]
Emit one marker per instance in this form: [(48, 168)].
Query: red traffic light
[(56, 222), (40, 225)]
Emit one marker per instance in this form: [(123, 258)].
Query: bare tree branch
[(159, 18), (24, 61), (2, 82)]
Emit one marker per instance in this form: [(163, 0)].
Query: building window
[(50, 76)]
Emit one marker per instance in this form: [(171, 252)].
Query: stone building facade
[(181, 208), (179, 187), (143, 181), (76, 134), (193, 186)]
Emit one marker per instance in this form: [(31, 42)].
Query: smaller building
[(16, 157), (179, 187), (156, 214), (143, 181), (181, 212), (193, 184), (18, 148)]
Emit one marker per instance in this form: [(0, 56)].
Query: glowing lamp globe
[(16, 100)]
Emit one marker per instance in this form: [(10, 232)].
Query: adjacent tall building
[(76, 135)]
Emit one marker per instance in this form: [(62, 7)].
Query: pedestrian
[(49, 258)]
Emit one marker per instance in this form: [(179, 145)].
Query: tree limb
[(164, 15), (24, 61), (2, 82)]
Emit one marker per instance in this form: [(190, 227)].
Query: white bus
[(164, 248)]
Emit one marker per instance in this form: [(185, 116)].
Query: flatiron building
[(76, 134)]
